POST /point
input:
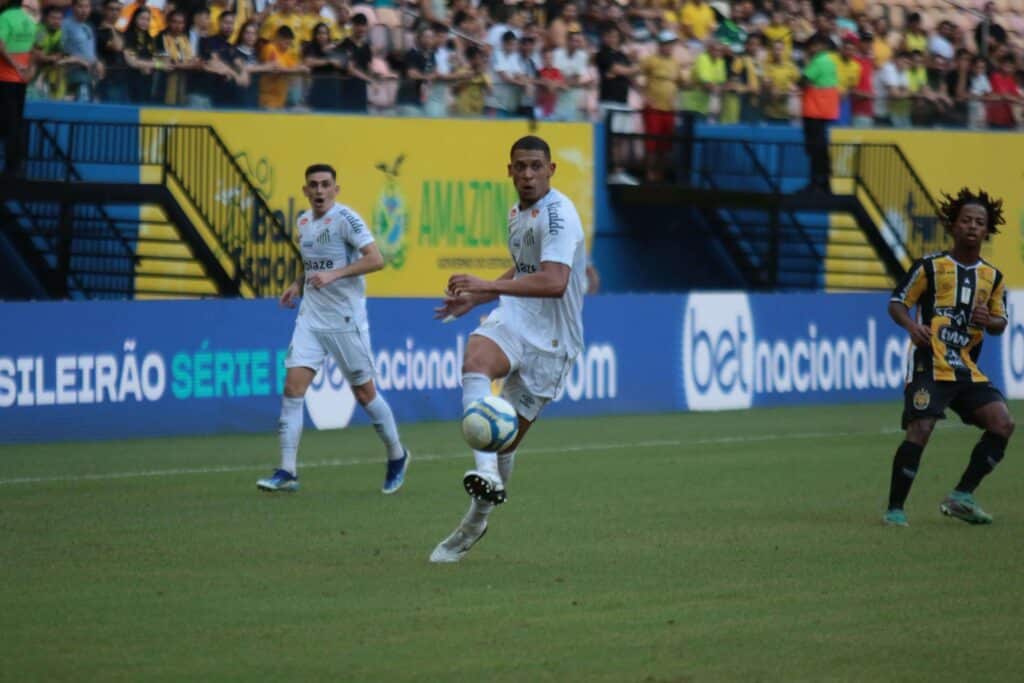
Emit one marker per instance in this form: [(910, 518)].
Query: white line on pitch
[(688, 443)]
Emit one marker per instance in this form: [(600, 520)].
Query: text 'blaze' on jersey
[(550, 230), (327, 243), (946, 293)]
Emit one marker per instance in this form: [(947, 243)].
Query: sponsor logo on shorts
[(922, 399)]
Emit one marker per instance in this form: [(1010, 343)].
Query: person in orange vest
[(17, 37), (820, 83)]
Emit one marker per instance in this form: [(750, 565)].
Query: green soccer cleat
[(895, 517), (963, 506)]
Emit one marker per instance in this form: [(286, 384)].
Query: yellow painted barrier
[(435, 193), (948, 160)]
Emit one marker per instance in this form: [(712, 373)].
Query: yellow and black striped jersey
[(946, 292)]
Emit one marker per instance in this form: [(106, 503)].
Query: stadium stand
[(908, 62)]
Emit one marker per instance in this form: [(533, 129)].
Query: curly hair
[(949, 208)]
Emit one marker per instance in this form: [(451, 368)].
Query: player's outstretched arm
[(549, 282), (371, 261)]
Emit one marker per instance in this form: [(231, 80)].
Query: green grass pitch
[(689, 547)]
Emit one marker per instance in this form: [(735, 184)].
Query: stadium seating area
[(903, 63)]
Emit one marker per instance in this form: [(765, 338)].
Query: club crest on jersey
[(530, 239), (324, 237), (922, 399)]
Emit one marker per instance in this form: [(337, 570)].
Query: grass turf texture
[(730, 546)]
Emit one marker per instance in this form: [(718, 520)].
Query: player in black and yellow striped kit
[(959, 297)]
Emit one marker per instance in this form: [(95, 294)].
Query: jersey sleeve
[(913, 286), (561, 234), (997, 299), (354, 229)]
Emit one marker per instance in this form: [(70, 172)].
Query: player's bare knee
[(364, 393), (294, 389), (1003, 426), (919, 431)]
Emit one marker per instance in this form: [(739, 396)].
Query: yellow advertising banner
[(435, 192), (948, 160)]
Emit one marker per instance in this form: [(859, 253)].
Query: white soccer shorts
[(350, 349), (536, 376)]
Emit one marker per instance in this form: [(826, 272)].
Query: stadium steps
[(121, 210), (750, 194)]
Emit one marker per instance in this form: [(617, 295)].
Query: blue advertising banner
[(106, 370)]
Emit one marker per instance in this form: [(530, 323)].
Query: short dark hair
[(507, 36), (531, 143), (285, 32), (49, 9), (225, 14), (472, 51), (360, 19), (949, 208), (319, 168)]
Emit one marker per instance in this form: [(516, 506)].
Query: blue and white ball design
[(489, 424)]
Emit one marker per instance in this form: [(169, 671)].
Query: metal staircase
[(746, 195), (121, 210)]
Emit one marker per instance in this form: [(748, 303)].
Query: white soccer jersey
[(550, 230), (327, 243)]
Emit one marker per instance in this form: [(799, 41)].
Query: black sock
[(984, 458), (904, 469)]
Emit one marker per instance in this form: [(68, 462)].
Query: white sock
[(487, 463), (476, 516), (289, 429), (474, 385), (384, 422), (506, 461)]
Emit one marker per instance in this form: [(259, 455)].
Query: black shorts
[(926, 398)]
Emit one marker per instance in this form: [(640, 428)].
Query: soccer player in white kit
[(337, 252), (532, 338)]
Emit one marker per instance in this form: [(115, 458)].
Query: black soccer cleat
[(484, 487)]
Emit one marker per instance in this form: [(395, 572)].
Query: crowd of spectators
[(903, 63)]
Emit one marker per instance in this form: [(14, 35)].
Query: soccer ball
[(489, 424)]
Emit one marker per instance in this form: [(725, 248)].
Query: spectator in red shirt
[(862, 96), (1005, 94), (550, 83)]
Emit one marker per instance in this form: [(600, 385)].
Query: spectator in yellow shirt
[(781, 76), (849, 70), (880, 47), (696, 18), (472, 84), (914, 37), (662, 77), (779, 31), (284, 14), (707, 78), (284, 64), (741, 101)]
